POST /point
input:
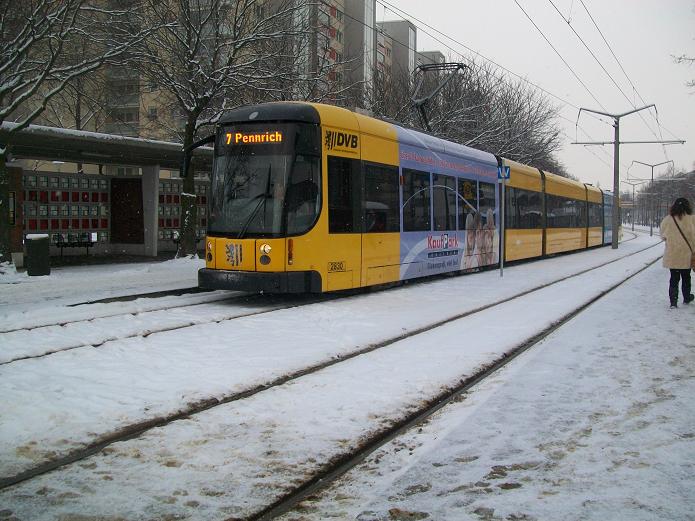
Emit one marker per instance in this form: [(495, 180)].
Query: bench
[(74, 244)]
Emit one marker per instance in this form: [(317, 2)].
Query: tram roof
[(52, 143), (420, 139)]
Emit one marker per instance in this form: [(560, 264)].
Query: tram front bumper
[(260, 282)]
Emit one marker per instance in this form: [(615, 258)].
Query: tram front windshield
[(265, 180)]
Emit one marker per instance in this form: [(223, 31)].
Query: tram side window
[(607, 213), (595, 214), (556, 212), (486, 201), (583, 217), (468, 200), (343, 194), (381, 199), (533, 217), (416, 201), (523, 209), (302, 198), (563, 212), (444, 198)]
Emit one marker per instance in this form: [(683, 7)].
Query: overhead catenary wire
[(610, 48), (419, 25), (405, 14), (593, 55), (387, 5), (560, 55)]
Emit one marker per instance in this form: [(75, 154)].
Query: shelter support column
[(150, 207), (16, 217)]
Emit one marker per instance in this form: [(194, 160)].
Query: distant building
[(430, 57), (404, 42), (360, 45), (384, 53)]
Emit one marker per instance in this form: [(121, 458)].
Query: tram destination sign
[(253, 138), (257, 138)]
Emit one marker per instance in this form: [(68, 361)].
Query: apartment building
[(361, 46), (384, 53), (403, 36)]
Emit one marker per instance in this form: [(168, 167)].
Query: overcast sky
[(643, 34)]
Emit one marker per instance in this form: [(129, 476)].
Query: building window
[(124, 116)]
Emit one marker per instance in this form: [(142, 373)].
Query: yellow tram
[(312, 198)]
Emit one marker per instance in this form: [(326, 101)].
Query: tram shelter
[(124, 198)]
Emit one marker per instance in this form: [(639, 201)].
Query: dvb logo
[(340, 140)]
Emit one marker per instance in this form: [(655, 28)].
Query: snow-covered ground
[(596, 423), (69, 285)]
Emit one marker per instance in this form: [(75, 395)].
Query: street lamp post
[(651, 217)]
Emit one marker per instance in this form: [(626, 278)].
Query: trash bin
[(38, 259)]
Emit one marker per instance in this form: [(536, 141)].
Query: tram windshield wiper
[(263, 199)]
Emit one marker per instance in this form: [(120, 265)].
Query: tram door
[(127, 224), (344, 223)]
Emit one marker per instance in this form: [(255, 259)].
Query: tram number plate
[(336, 266)]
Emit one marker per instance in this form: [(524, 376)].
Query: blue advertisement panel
[(449, 207)]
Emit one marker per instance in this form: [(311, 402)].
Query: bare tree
[(653, 200), (478, 108), (689, 60), (82, 103), (212, 55), (390, 96), (36, 64)]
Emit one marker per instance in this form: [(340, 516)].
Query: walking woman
[(678, 231)]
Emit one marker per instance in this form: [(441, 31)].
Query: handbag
[(692, 253)]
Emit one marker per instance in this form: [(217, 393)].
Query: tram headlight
[(265, 248), (209, 252)]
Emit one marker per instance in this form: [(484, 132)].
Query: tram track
[(340, 466), (148, 331), (181, 292), (145, 332), (136, 429), (105, 313), (152, 294)]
